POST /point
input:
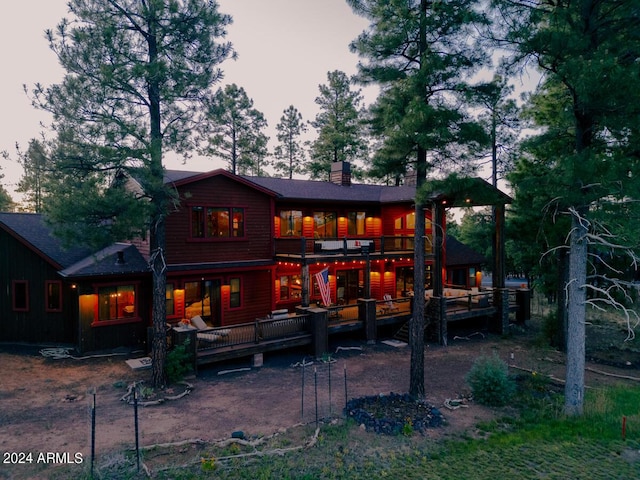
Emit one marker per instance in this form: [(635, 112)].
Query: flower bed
[(394, 414)]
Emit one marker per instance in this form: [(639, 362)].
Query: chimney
[(341, 173)]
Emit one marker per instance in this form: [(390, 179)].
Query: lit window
[(290, 287), (116, 301), (356, 223), (325, 224), (290, 223), (217, 222)]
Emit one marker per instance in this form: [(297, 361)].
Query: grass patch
[(535, 440)]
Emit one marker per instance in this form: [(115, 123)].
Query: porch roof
[(455, 191), (116, 259), (458, 254)]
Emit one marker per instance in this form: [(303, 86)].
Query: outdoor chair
[(389, 306), (204, 331)]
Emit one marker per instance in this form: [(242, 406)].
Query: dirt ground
[(46, 404)]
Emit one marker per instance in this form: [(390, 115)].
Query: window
[(217, 222), (290, 287), (116, 302), (325, 225), (53, 297), (406, 222), (290, 223), (234, 293), (20, 296), (170, 299), (356, 223)]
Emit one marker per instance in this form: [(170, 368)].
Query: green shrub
[(179, 362), (490, 382)]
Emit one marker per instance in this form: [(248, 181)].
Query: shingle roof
[(119, 258), (460, 254), (321, 190), (31, 229), (33, 232)]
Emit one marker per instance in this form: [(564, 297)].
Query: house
[(237, 248), (47, 287)]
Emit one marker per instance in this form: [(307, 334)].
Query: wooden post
[(367, 315), (304, 273), (319, 330)]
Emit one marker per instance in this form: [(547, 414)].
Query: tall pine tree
[(420, 52), (236, 131), (136, 75), (341, 136), (589, 54), (290, 154)]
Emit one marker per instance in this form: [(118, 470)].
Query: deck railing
[(470, 301), (295, 325), (342, 314), (302, 246), (262, 330)]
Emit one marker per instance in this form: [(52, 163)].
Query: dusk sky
[(285, 49)]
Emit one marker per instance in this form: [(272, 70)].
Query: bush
[(178, 362), (490, 382)]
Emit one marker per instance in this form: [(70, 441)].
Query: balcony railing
[(303, 247)]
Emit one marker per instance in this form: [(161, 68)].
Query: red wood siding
[(220, 191)]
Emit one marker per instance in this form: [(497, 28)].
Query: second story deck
[(299, 248)]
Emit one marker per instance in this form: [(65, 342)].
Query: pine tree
[(588, 52), (421, 52), (236, 131), (290, 154), (34, 164), (341, 136), (136, 73)]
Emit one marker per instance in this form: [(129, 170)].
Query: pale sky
[(285, 49)]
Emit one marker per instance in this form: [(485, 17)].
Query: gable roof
[(459, 254), (32, 231), (179, 178)]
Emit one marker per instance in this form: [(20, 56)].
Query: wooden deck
[(267, 335)]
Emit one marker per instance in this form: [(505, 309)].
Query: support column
[(319, 331), (500, 323), (304, 273), (367, 315)]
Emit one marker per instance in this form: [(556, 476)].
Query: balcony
[(289, 248)]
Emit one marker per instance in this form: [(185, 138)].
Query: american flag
[(322, 278)]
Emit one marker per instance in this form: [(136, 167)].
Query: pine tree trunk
[(576, 296)]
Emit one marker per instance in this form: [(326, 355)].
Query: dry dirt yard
[(45, 404)]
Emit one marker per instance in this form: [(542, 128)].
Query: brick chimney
[(341, 173)]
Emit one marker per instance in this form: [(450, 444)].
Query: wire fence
[(323, 392)]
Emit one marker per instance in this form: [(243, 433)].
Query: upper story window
[(406, 222), (291, 223), (20, 295), (116, 302), (325, 224), (356, 223), (217, 222)]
